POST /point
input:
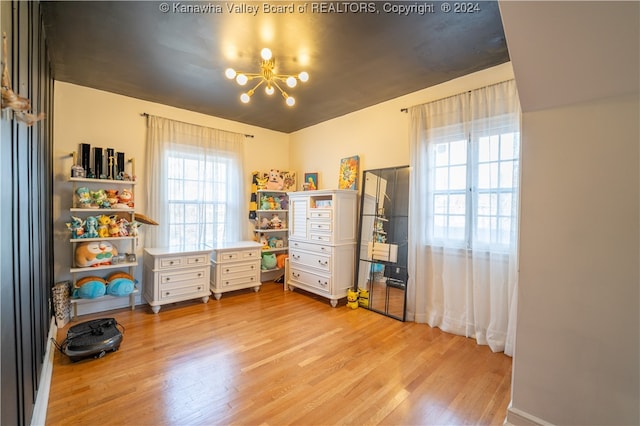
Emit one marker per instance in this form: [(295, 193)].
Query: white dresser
[(235, 266), (322, 241), (175, 274)]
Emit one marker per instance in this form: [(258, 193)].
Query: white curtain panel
[(464, 214), (217, 153)]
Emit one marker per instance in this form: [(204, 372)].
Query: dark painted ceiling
[(355, 58)]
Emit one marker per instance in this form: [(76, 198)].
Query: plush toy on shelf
[(84, 197), (89, 288), (76, 227), (268, 261), (94, 253), (90, 227), (276, 180), (103, 226)]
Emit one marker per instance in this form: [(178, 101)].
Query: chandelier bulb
[(290, 101), (269, 90), (245, 98), (303, 76), (266, 53), (230, 73), (242, 79), (291, 81)]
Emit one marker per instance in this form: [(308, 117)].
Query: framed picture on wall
[(310, 181), (348, 178)]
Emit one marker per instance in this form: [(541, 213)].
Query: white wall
[(576, 358), (104, 120), (378, 134)]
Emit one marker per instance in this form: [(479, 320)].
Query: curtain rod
[(145, 114), (457, 94)]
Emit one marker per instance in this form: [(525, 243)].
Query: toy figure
[(276, 181), (126, 197), (265, 223), (275, 221), (272, 242), (103, 225), (76, 227), (99, 198), (352, 299), (84, 197), (114, 227), (94, 253), (90, 227), (261, 182), (264, 242), (112, 196), (265, 203), (123, 223), (133, 228)]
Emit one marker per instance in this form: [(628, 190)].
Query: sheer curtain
[(464, 212), (195, 180)]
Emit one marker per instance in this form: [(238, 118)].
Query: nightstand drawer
[(244, 269), (238, 281), (178, 277), (191, 290)]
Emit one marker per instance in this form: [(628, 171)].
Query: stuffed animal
[(280, 260), (99, 199), (89, 288), (94, 253), (272, 242), (123, 224), (120, 284), (90, 227), (114, 227), (268, 261), (84, 197), (276, 181), (126, 198), (76, 227), (103, 226), (363, 298), (265, 203), (261, 182), (276, 222), (352, 299), (264, 241)]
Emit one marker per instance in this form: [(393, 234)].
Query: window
[(473, 186), (196, 198)]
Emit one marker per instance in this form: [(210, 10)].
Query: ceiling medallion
[(268, 77)]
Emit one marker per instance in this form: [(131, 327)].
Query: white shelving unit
[(124, 244), (266, 228)]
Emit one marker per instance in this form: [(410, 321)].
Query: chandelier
[(268, 77)]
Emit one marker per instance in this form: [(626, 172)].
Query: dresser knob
[(200, 274), (167, 293), (167, 279)]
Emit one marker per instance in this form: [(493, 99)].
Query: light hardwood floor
[(276, 358)]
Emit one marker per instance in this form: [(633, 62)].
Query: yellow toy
[(363, 298), (352, 299), (103, 226)]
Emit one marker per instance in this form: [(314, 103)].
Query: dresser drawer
[(181, 261), (237, 256), (190, 289), (234, 281), (320, 214), (313, 260), (320, 227), (318, 248), (239, 269), (177, 278), (320, 238), (318, 281)]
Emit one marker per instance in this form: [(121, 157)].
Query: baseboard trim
[(517, 417), (39, 416)]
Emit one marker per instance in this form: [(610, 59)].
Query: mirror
[(381, 267)]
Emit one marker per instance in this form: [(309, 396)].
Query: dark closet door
[(25, 216)]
